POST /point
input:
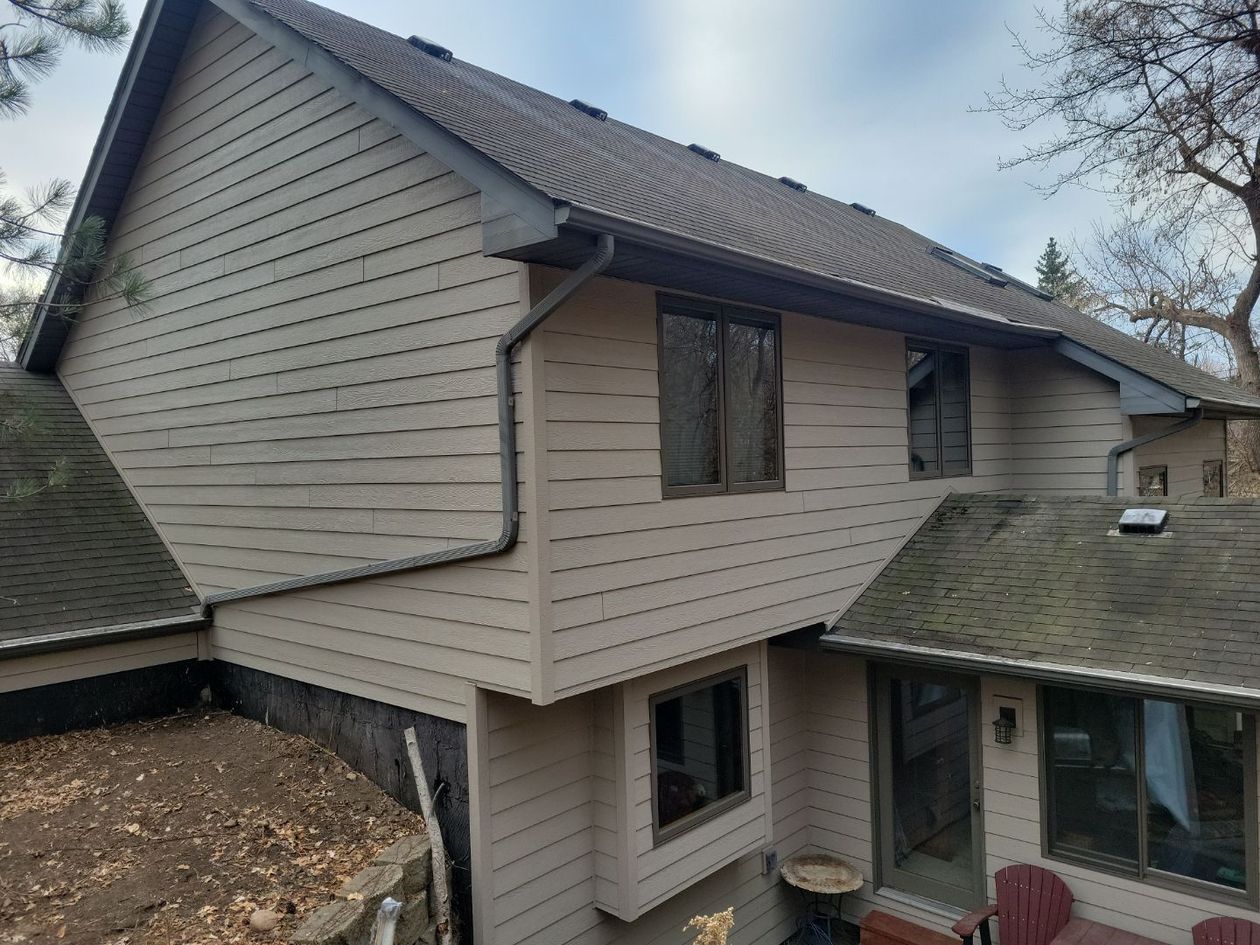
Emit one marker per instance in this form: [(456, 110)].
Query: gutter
[(585, 219), (73, 639), (1114, 454), (1191, 690), (599, 261)]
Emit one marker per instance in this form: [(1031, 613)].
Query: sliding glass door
[(928, 787)]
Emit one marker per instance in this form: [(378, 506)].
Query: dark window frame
[(723, 315), (1141, 873), (1153, 495), (925, 344), (1219, 465), (717, 808)]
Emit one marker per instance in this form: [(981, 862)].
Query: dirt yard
[(175, 831)]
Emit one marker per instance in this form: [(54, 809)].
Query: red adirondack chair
[(1224, 931), (1033, 906)]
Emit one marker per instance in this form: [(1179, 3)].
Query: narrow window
[(699, 747), (938, 410), (1153, 480), (1148, 787), (1214, 479), (720, 399)]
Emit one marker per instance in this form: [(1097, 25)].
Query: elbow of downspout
[(605, 248), (1114, 454)]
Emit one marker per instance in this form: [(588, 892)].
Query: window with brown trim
[(938, 409), (721, 398), (1214, 479), (1160, 790), (699, 748), (1153, 480)]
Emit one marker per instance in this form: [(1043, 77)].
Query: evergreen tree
[(33, 35), (1056, 275), (33, 248)]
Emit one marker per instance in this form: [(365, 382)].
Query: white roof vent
[(1143, 522)]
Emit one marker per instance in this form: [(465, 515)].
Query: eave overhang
[(1062, 674)]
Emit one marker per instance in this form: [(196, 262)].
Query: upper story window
[(721, 398), (938, 381), (1214, 479), (699, 746), (1153, 480), (1152, 788)]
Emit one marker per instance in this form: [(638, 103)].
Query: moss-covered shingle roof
[(81, 554), (1047, 580)]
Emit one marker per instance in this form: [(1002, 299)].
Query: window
[(939, 410), (699, 745), (1214, 479), (1150, 788), (721, 402), (1153, 480)]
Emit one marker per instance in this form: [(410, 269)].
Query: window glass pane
[(1214, 479), (1153, 480), (752, 401), (921, 384), (929, 745), (699, 749), (955, 447), (1093, 789), (1195, 809), (689, 400)]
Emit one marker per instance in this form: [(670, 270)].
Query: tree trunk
[(1247, 358)]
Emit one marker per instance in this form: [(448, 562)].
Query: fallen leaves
[(179, 831)]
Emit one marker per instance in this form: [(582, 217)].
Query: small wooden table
[(821, 878)]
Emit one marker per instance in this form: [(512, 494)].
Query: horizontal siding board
[(311, 384)]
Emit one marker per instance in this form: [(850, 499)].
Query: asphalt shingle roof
[(1040, 579), (82, 555), (618, 169)]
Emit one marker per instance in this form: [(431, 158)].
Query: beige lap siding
[(640, 583), (46, 669), (1183, 453), (311, 386), (539, 776), (1064, 419)]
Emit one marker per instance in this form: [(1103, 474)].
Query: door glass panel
[(930, 842)]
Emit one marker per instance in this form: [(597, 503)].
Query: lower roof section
[(1050, 587)]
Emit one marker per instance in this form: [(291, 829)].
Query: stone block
[(374, 883), (414, 920), (414, 855), (338, 923)]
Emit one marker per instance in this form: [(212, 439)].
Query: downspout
[(598, 262), (1114, 454)]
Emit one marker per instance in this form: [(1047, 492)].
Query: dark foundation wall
[(95, 701), (368, 736)]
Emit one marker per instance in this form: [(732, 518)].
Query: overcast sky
[(865, 101)]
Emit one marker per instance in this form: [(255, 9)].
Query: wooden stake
[(441, 867)]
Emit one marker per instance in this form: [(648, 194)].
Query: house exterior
[(459, 400)]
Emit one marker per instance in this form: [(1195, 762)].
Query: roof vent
[(1143, 522), (597, 113), (1019, 284), (965, 264), (863, 208), (704, 152), (437, 50), (794, 184)]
